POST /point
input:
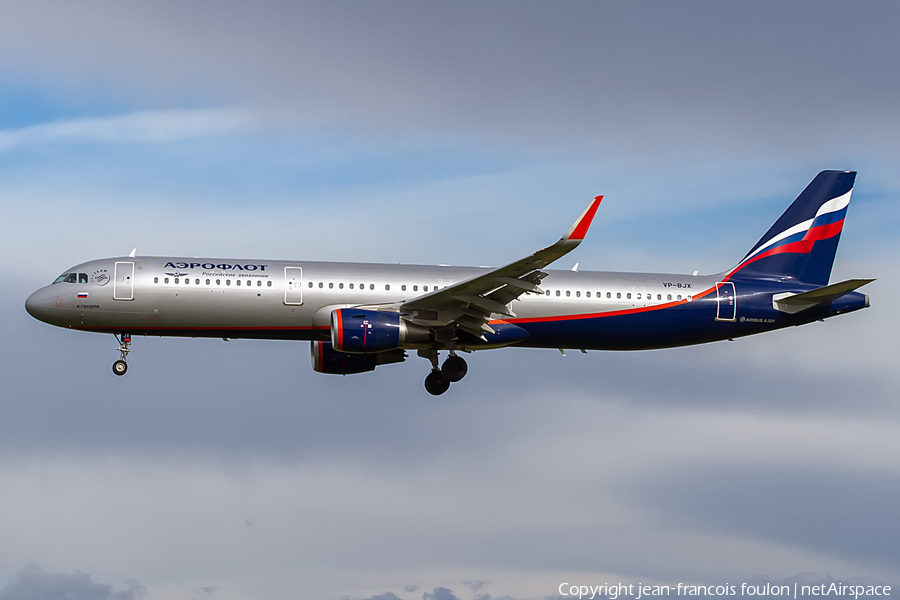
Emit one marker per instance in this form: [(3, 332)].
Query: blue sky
[(464, 134)]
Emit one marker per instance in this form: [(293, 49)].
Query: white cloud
[(151, 127)]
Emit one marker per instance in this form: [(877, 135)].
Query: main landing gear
[(438, 381), (120, 366)]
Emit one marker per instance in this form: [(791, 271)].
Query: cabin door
[(727, 303), (293, 285), (123, 284)]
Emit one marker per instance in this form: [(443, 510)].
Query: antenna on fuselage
[(131, 255)]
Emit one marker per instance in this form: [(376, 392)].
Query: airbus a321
[(359, 316)]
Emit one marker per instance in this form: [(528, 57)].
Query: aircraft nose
[(38, 304)]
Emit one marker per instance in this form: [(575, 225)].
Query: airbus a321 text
[(359, 316)]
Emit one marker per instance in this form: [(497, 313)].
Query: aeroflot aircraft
[(358, 316)]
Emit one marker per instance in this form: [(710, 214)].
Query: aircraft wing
[(470, 303)]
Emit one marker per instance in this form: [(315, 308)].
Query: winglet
[(581, 226)]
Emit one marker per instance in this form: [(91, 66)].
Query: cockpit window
[(71, 278), (60, 279), (82, 278)]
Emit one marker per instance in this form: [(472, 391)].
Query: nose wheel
[(120, 367)]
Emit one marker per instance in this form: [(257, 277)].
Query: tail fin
[(803, 242)]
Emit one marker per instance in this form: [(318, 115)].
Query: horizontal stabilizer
[(794, 303)]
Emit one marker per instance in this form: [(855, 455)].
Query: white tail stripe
[(833, 205)]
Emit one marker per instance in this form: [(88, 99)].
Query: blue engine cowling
[(365, 331), (326, 359)]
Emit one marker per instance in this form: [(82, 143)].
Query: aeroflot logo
[(220, 266)]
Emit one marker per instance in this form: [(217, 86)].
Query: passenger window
[(578, 294), (659, 296), (628, 296), (310, 284), (176, 280), (207, 282), (609, 294), (639, 296), (269, 283), (218, 282), (259, 283), (238, 282), (187, 281), (679, 296), (330, 286), (669, 297), (588, 294), (340, 286), (156, 280), (82, 278), (387, 287), (371, 286), (403, 287), (558, 293), (424, 288), (227, 282), (618, 294), (362, 286), (568, 293), (351, 286), (321, 285), (547, 293), (415, 288)]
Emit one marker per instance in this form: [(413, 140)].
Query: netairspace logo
[(795, 591)]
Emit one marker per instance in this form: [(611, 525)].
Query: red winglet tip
[(584, 223)]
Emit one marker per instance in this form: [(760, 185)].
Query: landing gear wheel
[(436, 384), (119, 367), (454, 368)]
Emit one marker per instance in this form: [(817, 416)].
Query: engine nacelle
[(365, 331), (326, 359)]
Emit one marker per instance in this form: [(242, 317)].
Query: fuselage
[(294, 300)]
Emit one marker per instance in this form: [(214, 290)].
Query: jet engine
[(358, 331), (326, 359)]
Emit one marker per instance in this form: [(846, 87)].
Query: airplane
[(359, 316)]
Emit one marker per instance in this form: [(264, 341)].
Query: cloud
[(33, 583), (500, 72), (440, 593), (476, 585), (150, 127), (385, 596)]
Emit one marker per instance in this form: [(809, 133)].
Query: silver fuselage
[(293, 300)]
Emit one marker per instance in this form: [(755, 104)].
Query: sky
[(467, 133)]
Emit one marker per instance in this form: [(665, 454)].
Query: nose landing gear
[(439, 379), (121, 366)]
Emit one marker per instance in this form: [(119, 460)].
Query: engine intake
[(365, 331)]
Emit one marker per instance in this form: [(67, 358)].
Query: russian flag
[(82, 294)]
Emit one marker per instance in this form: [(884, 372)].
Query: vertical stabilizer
[(802, 243)]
